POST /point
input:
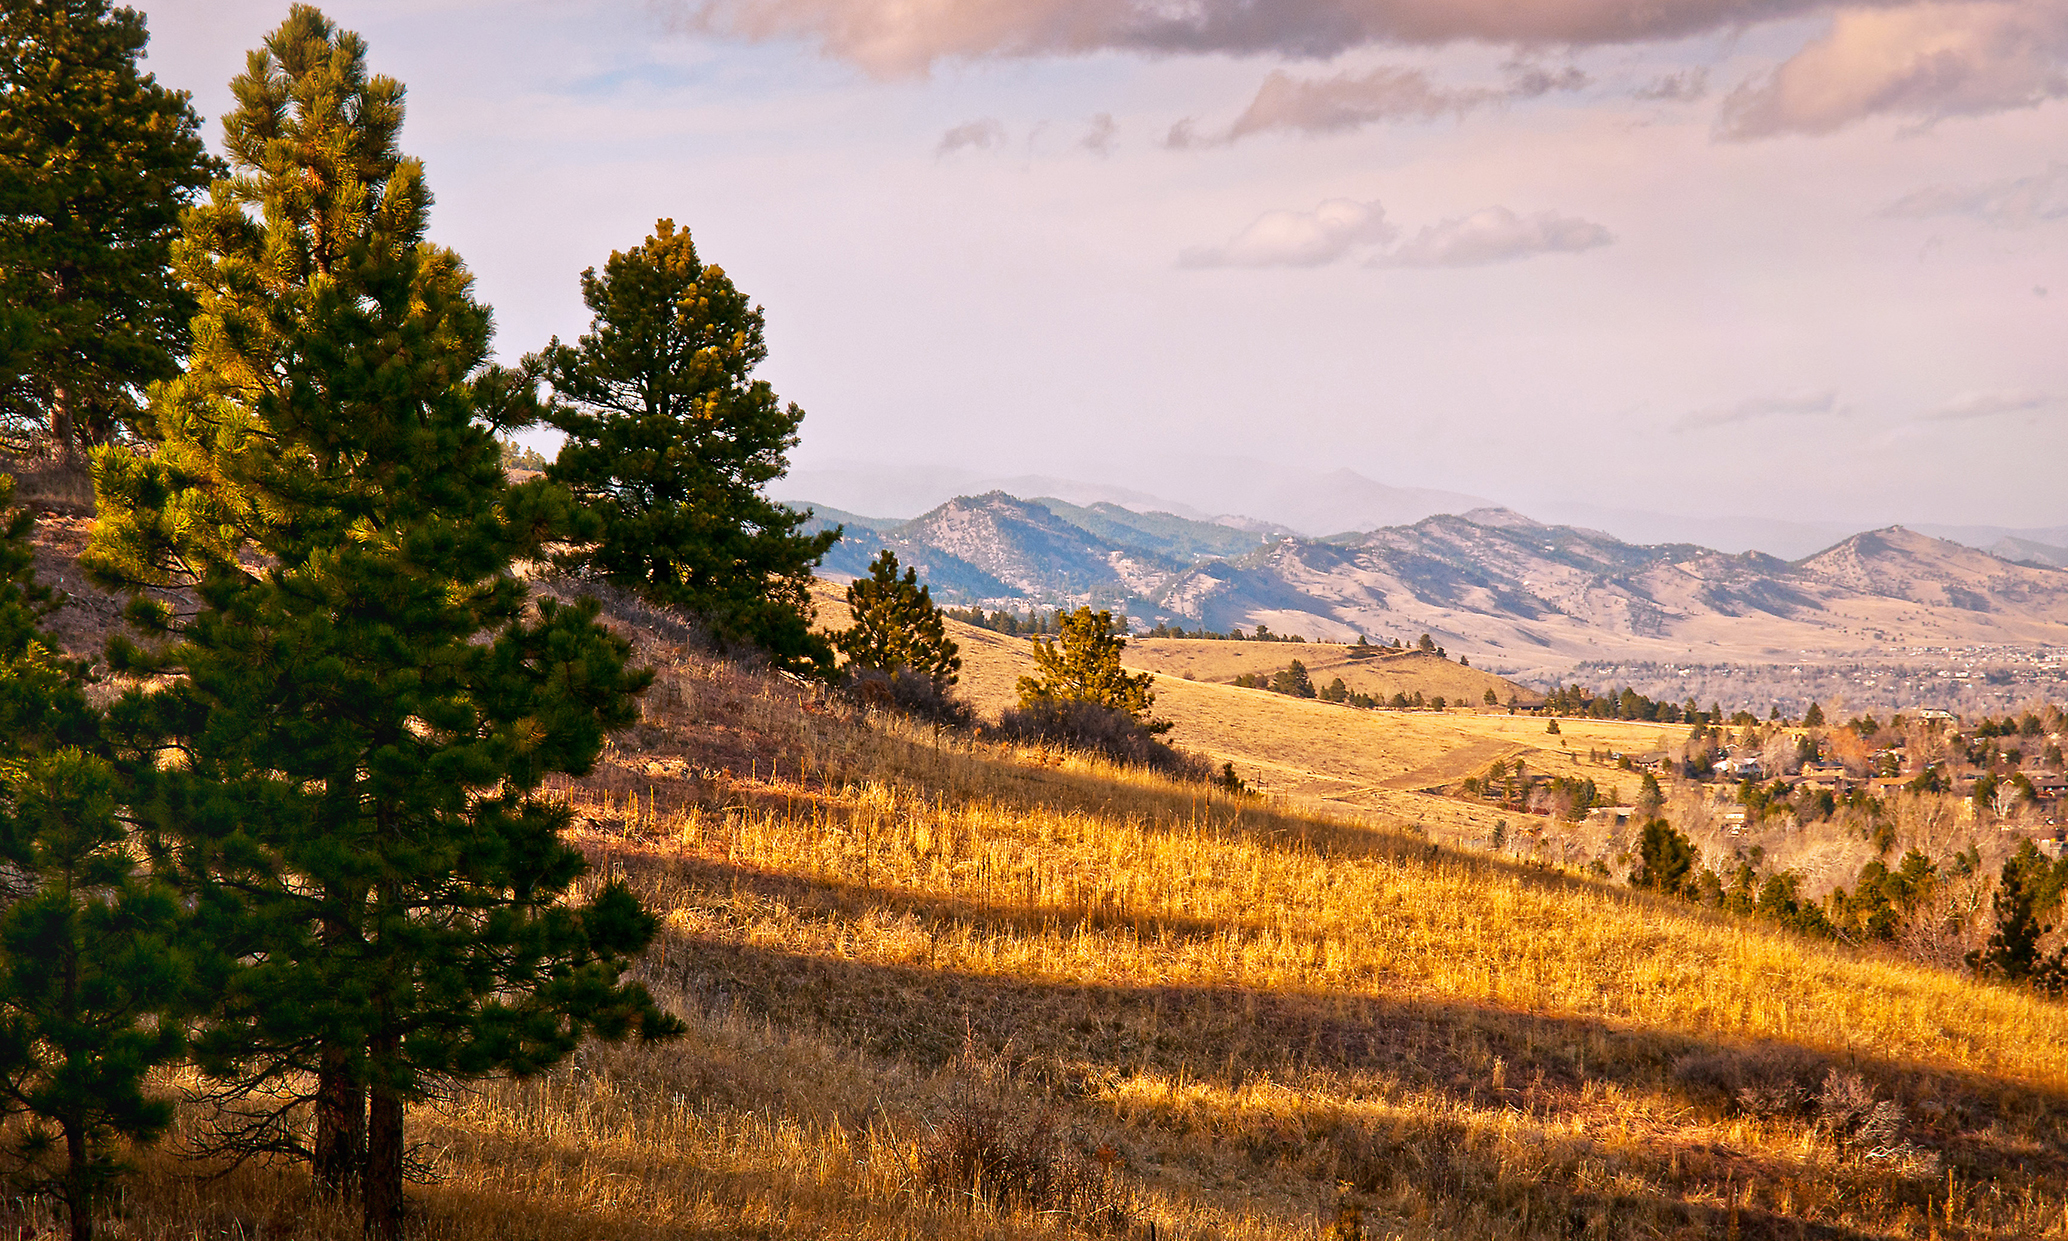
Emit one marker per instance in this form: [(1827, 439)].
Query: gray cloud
[(892, 37), (1990, 405), (1298, 238), (982, 134), (1350, 100), (1098, 139), (1681, 87), (1183, 135), (1926, 62), (1346, 101), (1797, 405), (2016, 203), (1495, 235)]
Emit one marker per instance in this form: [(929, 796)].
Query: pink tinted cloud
[(892, 37), (1496, 235), (1926, 62), (1298, 238), (2018, 202), (1350, 100)]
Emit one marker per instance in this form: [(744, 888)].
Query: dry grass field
[(1408, 672), (938, 989), (1322, 754)]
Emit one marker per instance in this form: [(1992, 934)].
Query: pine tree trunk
[(340, 1127), (383, 1192), (61, 429), (78, 1190)]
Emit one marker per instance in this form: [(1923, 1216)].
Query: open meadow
[(1325, 754)]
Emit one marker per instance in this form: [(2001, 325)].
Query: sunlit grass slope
[(1236, 1019), (1409, 672)]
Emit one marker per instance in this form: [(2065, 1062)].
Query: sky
[(1692, 256)]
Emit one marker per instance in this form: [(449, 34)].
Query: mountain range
[(1253, 495), (1516, 595)]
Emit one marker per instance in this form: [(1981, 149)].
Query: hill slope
[(940, 989), (1156, 1004)]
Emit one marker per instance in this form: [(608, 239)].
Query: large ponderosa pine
[(96, 163), (89, 975), (366, 706), (670, 440)]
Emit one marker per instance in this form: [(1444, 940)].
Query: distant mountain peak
[(1501, 517)]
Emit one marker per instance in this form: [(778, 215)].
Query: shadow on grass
[(1451, 1057)]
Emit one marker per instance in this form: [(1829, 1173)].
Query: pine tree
[(86, 956), (367, 706), (2019, 903), (1666, 858), (670, 441), (897, 628), (96, 162), (1293, 681), (1083, 665)]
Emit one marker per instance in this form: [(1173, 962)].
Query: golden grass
[(1407, 673), (1260, 1014), (1323, 754)]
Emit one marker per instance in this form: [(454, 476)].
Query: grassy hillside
[(1380, 676), (1322, 754), (937, 989), (1148, 1003)]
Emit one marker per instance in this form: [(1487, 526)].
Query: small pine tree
[(1814, 717), (1293, 681), (2013, 953), (1650, 796), (896, 626), (1666, 858), (1083, 665), (87, 962), (1490, 698)]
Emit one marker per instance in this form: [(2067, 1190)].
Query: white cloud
[(1495, 235), (1298, 238), (1990, 405), (2016, 203), (1796, 405), (982, 134), (1926, 62)]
